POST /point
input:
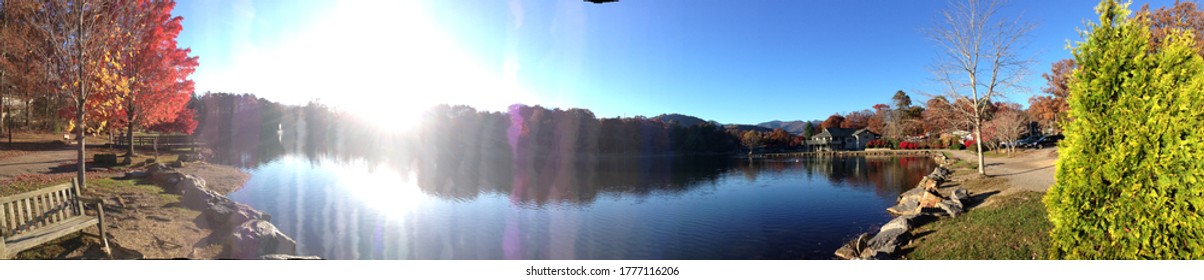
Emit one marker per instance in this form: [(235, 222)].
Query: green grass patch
[(1013, 228), (169, 198), (110, 183), (187, 212)]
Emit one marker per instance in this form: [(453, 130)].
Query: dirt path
[(1031, 170), (34, 162)]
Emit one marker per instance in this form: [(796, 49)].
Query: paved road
[(1027, 170), (34, 162)]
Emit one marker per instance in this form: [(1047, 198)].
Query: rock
[(930, 199), (200, 198), (288, 257), (906, 207), (912, 194), (136, 175), (230, 214), (901, 222), (951, 207), (256, 238), (884, 243), (176, 164), (853, 249), (928, 184), (165, 178), (187, 183), (960, 195), (939, 174)]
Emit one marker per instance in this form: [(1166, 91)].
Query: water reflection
[(646, 208), (523, 185)]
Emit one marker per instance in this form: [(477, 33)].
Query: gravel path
[(34, 162), (1031, 170)]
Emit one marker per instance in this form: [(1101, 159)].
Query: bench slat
[(29, 216), (33, 194), (4, 222), (39, 210), (58, 205), (21, 242)]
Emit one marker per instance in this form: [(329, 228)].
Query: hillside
[(745, 127), (794, 127), (680, 119)]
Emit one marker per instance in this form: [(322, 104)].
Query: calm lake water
[(647, 208)]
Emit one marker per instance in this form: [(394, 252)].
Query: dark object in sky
[(601, 1)]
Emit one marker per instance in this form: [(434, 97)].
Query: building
[(841, 139)]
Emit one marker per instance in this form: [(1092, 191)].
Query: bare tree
[(979, 58), (1008, 126)]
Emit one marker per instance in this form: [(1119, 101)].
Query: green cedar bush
[(1128, 179)]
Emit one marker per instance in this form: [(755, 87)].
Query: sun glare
[(404, 63)]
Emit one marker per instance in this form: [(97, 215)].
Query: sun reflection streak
[(382, 188)]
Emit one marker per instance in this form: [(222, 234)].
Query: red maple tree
[(160, 89)]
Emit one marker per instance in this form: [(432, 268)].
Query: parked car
[(1047, 141), (1022, 142)]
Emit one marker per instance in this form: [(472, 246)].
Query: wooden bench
[(33, 218)]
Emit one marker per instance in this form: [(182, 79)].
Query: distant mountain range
[(794, 127)]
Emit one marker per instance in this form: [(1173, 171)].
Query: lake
[(625, 208)]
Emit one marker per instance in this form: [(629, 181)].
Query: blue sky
[(729, 61)]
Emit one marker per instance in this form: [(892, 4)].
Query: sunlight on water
[(381, 188)]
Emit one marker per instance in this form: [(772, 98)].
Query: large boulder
[(200, 198), (912, 194), (166, 177), (156, 168), (930, 199), (928, 184), (951, 207), (960, 195), (853, 249), (256, 238), (905, 207), (230, 214), (889, 238), (939, 174), (187, 183)]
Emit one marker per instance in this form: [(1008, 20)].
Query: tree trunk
[(81, 102), (79, 138), (978, 142), (129, 141)]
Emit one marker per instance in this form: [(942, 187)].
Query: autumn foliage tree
[(833, 121), (1050, 110), (159, 69), (1166, 21)]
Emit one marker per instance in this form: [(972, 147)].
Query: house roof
[(866, 130), (836, 132), (842, 132)]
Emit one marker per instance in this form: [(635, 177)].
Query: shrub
[(1128, 179), (957, 146), (878, 143)]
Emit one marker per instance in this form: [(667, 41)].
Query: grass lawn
[(1013, 228)]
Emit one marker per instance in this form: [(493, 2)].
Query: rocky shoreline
[(925, 199), (248, 233)]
